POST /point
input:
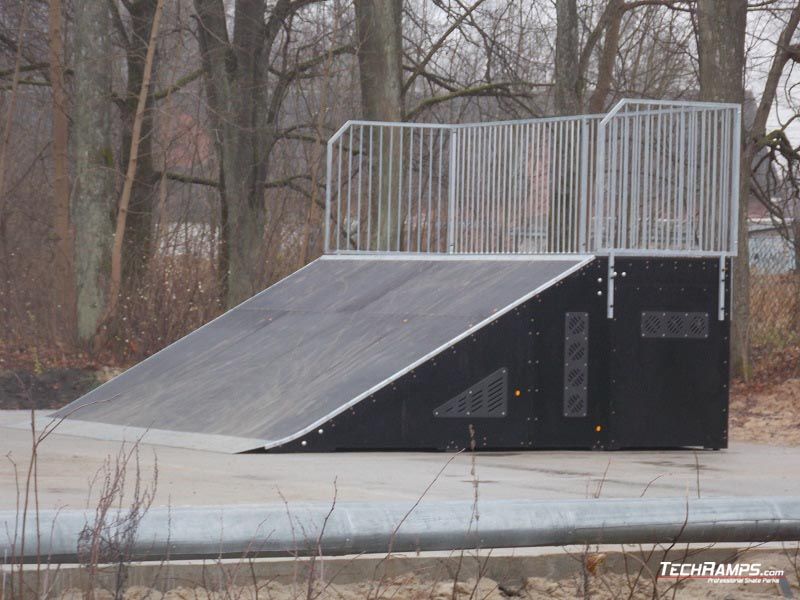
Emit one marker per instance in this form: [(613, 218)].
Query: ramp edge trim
[(109, 432), (582, 261), (404, 257)]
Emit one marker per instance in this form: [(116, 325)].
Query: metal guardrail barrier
[(354, 528), (648, 177)]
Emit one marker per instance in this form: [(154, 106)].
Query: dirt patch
[(49, 389), (411, 587), (769, 415)]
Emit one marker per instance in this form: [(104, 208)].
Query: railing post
[(451, 192), (733, 244), (328, 184), (584, 170), (599, 168)]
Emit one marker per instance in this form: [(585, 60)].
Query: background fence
[(774, 290)]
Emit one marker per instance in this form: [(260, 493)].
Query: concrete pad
[(66, 464)]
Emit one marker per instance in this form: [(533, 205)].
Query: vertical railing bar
[(463, 181), (398, 239), (673, 182), (339, 195), (647, 208), (369, 189), (569, 198), (522, 174), (584, 184), (736, 117), (508, 201), (541, 184), (452, 173), (381, 199), (479, 195), (600, 168), (701, 187), (713, 180), (525, 208), (349, 186), (563, 178), (513, 192), (358, 200), (419, 188), (556, 225), (680, 199), (729, 162), (474, 139), (439, 193), (659, 183), (428, 219), (614, 200), (328, 186), (576, 176), (625, 184), (686, 162), (720, 160), (390, 187), (409, 208), (638, 212)]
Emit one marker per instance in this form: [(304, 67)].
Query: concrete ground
[(67, 464)]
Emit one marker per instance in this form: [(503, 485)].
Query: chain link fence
[(774, 289)]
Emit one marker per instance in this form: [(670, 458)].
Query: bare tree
[(115, 283), (245, 110), (94, 162), (380, 55), (135, 38), (721, 26), (567, 80), (62, 228)]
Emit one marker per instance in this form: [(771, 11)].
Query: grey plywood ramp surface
[(305, 348)]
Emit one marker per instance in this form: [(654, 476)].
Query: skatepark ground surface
[(67, 465)]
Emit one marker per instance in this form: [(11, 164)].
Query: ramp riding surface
[(309, 347)]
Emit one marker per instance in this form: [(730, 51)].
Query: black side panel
[(528, 342), (656, 374), (668, 375)]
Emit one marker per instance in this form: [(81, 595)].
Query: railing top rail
[(617, 109)]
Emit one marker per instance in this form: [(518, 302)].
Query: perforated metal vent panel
[(576, 363), (674, 325), (488, 399)]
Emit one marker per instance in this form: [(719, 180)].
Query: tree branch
[(182, 82)]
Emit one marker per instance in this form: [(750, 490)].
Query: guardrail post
[(584, 169), (599, 168), (328, 183), (451, 192)]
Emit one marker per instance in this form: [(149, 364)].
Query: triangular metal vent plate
[(486, 399)]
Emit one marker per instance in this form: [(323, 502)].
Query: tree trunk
[(94, 163), (566, 77), (721, 28), (608, 55), (137, 247), (243, 131), (63, 271), (123, 207), (380, 53)]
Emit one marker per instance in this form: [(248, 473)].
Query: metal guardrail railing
[(55, 536), (648, 177)]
